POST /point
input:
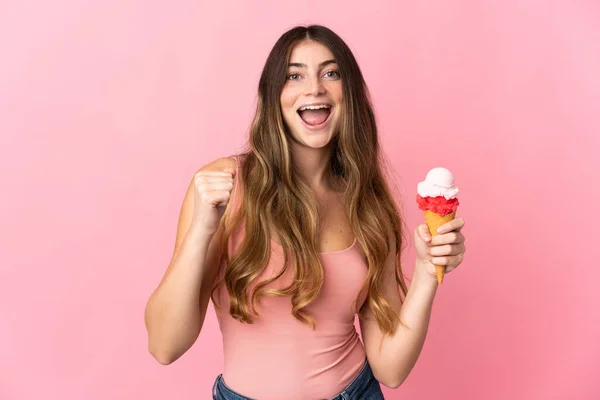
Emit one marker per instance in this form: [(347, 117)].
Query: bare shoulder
[(219, 164)]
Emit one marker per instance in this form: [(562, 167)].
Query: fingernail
[(440, 229)]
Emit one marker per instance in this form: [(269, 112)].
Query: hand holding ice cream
[(437, 198)]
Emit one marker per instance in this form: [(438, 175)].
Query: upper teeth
[(314, 107)]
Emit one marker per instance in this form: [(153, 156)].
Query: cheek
[(337, 92), (286, 99)]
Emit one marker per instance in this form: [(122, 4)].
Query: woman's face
[(311, 99)]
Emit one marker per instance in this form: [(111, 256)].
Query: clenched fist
[(211, 196)]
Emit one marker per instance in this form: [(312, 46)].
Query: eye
[(332, 74), (293, 77)]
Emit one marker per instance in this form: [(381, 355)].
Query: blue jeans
[(363, 387)]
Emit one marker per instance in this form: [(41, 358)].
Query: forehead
[(310, 53)]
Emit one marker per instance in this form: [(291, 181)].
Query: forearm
[(402, 349), (173, 314)]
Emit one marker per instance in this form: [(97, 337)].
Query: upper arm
[(370, 331)]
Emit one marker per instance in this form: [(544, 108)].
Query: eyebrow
[(321, 65)]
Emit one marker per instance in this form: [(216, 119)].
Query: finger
[(211, 179), (448, 238), (454, 225), (231, 171), (423, 233), (216, 176), (446, 260), (226, 172), (216, 198), (450, 262), (215, 186), (445, 250)]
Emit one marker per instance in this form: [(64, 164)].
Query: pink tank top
[(278, 357)]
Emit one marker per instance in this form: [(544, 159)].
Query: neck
[(312, 165)]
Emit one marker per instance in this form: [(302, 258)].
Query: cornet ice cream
[(436, 196)]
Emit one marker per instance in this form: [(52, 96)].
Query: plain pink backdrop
[(107, 108)]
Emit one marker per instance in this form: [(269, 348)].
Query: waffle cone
[(434, 221)]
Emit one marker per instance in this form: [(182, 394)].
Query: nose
[(314, 87)]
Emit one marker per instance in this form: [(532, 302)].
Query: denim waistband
[(363, 387)]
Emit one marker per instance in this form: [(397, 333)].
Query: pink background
[(108, 107)]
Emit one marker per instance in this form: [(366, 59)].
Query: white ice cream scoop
[(438, 182)]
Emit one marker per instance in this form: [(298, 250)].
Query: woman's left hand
[(446, 248)]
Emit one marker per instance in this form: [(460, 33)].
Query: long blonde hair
[(272, 192)]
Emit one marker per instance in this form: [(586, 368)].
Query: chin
[(313, 139), (317, 144)]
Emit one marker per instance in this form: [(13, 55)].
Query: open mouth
[(315, 115)]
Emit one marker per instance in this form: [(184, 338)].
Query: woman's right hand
[(211, 196)]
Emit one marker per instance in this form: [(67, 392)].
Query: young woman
[(296, 236)]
